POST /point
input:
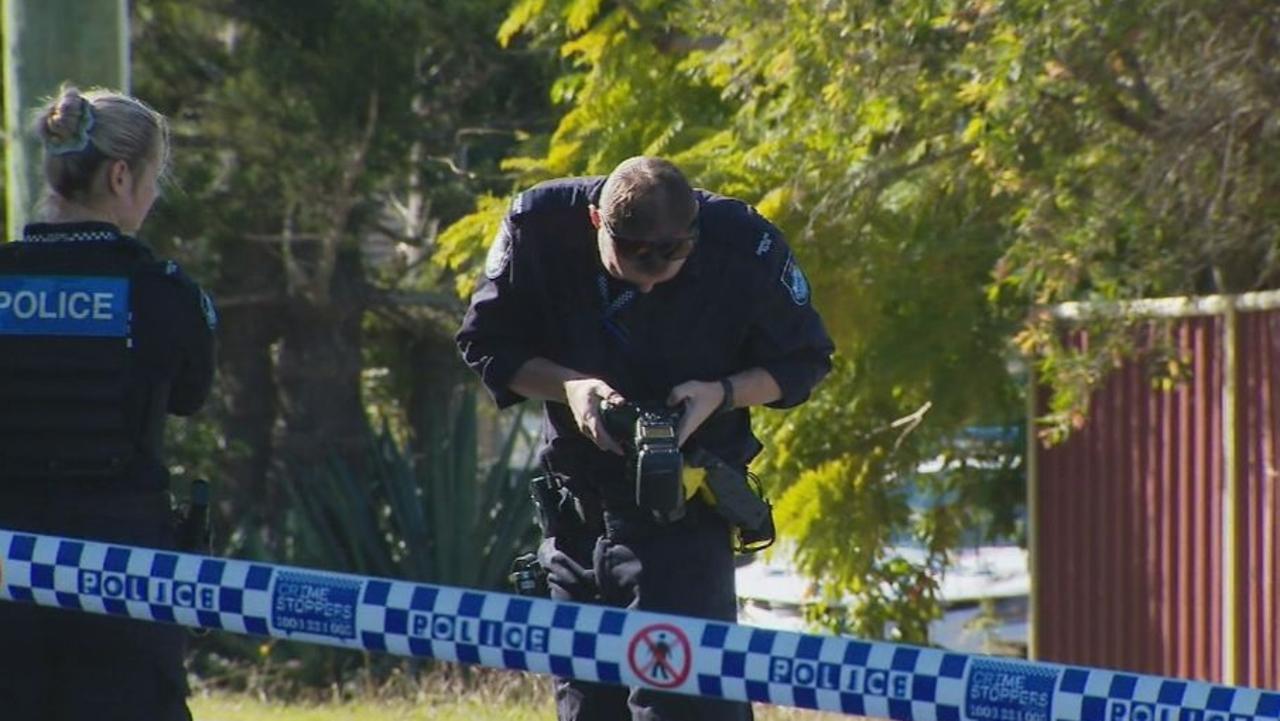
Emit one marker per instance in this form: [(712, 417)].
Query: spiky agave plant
[(436, 515)]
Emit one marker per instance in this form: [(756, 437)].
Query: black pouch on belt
[(559, 511), (739, 503)]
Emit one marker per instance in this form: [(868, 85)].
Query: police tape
[(594, 643)]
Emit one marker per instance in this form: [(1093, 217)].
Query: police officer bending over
[(99, 340), (636, 288)]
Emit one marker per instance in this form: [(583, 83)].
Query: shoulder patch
[(499, 256), (794, 281)]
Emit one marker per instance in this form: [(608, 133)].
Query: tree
[(319, 146), (314, 164), (943, 168)]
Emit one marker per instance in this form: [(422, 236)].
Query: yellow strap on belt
[(695, 482)]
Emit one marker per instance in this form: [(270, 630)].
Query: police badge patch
[(495, 263), (794, 280)]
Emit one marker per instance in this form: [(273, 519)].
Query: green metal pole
[(48, 42)]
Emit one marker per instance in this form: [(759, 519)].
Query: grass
[(447, 693), (442, 692), (226, 707)]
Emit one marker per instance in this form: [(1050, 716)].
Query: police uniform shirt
[(740, 301), (78, 297)]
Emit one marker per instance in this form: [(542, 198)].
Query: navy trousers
[(683, 568), (60, 665)]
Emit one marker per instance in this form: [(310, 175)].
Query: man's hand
[(700, 399), (583, 397)]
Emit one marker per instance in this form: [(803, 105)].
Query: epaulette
[(747, 229)]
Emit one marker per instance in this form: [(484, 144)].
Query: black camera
[(649, 436)]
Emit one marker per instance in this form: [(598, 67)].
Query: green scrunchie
[(81, 139)]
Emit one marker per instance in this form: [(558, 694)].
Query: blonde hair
[(81, 131)]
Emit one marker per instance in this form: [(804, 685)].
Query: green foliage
[(286, 120), (456, 246), (830, 122), (303, 133), (192, 447), (436, 517), (943, 168)]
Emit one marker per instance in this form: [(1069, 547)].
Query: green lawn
[(244, 708), (445, 692), (226, 707)]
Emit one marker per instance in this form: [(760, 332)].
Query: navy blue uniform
[(740, 301), (99, 341)]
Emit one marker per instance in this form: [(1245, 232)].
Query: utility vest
[(73, 402)]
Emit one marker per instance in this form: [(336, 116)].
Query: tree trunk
[(318, 374), (247, 330), (436, 374)]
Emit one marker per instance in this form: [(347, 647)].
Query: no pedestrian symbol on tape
[(660, 655)]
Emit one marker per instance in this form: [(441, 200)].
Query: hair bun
[(67, 121)]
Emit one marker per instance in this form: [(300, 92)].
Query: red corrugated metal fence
[(1129, 537), (1258, 612)]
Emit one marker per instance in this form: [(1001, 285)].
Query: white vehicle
[(984, 594)]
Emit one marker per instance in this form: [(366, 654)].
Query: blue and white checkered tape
[(682, 655)]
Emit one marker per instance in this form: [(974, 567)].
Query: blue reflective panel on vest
[(64, 306)]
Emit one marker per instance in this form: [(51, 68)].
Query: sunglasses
[(667, 249)]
